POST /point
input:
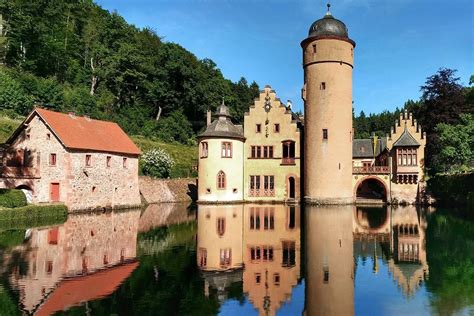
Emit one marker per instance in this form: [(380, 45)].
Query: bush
[(157, 163), (12, 198), (33, 214)]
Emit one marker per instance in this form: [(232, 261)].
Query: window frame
[(226, 149), (204, 150), (53, 160)]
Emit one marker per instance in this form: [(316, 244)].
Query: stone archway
[(371, 189), (27, 191)]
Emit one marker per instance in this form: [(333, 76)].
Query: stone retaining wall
[(168, 190)]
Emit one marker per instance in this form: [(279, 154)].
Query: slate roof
[(406, 140), (77, 132), (223, 127), (363, 148)]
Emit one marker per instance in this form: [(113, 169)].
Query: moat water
[(172, 259)]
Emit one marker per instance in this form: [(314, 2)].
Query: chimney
[(208, 117)]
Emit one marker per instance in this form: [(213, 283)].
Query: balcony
[(19, 172), (290, 161), (371, 170)]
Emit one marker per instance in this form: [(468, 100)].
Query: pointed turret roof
[(222, 126)]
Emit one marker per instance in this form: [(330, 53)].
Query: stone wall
[(168, 190)]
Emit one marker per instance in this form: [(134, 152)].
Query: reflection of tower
[(67, 264), (271, 254), (327, 93), (219, 246), (330, 262)]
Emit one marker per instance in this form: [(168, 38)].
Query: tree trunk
[(159, 113), (94, 78)]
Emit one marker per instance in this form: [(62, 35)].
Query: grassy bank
[(184, 156), (7, 126)]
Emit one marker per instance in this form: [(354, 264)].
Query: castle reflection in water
[(268, 249)]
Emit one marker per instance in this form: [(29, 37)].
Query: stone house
[(84, 163)]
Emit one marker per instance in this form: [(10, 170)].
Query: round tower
[(328, 59), (221, 156)]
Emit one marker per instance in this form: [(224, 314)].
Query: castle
[(277, 156)]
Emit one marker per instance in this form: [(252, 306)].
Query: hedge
[(453, 190), (32, 216), (12, 198)]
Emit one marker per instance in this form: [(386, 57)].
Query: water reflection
[(84, 259), (251, 259), (265, 239), (330, 263)]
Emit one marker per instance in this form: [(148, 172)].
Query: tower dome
[(328, 26)]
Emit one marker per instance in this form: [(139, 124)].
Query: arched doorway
[(371, 189), (27, 191), (291, 188)]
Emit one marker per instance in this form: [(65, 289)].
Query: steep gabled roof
[(406, 140), (364, 148), (82, 133)]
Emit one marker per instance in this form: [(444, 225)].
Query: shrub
[(157, 163), (32, 214), (12, 198)]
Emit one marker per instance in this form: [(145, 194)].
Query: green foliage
[(32, 213), (11, 238), (7, 126), (12, 198), (457, 145), (7, 305), (75, 56), (156, 163), (450, 255), (453, 189)]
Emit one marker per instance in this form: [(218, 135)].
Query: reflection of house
[(271, 255), (330, 261), (219, 246), (408, 265), (82, 162), (64, 259)]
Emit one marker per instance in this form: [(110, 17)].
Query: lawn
[(7, 126)]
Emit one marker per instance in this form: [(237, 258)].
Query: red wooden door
[(54, 192)]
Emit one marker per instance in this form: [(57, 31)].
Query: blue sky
[(399, 42)]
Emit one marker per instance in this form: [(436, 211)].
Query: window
[(314, 49), (108, 161), (94, 189), (49, 267), (254, 219), (407, 156), (221, 180), (48, 136), (225, 257), (268, 219), (268, 182), (292, 217), (202, 257), (258, 128), (105, 260), (124, 162), (289, 254), (254, 185), (204, 149), (326, 275), (276, 279), (322, 86), (52, 159), (226, 150), (276, 128), (258, 278), (325, 133), (220, 226), (288, 148), (88, 160), (267, 151), (261, 253)]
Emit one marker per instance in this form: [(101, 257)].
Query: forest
[(75, 56)]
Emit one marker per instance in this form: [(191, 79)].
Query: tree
[(157, 163), (457, 145)]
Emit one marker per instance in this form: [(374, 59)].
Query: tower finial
[(223, 103), (329, 6)]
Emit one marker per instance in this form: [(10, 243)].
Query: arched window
[(221, 180)]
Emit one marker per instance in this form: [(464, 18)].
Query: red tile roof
[(74, 291), (77, 132)]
